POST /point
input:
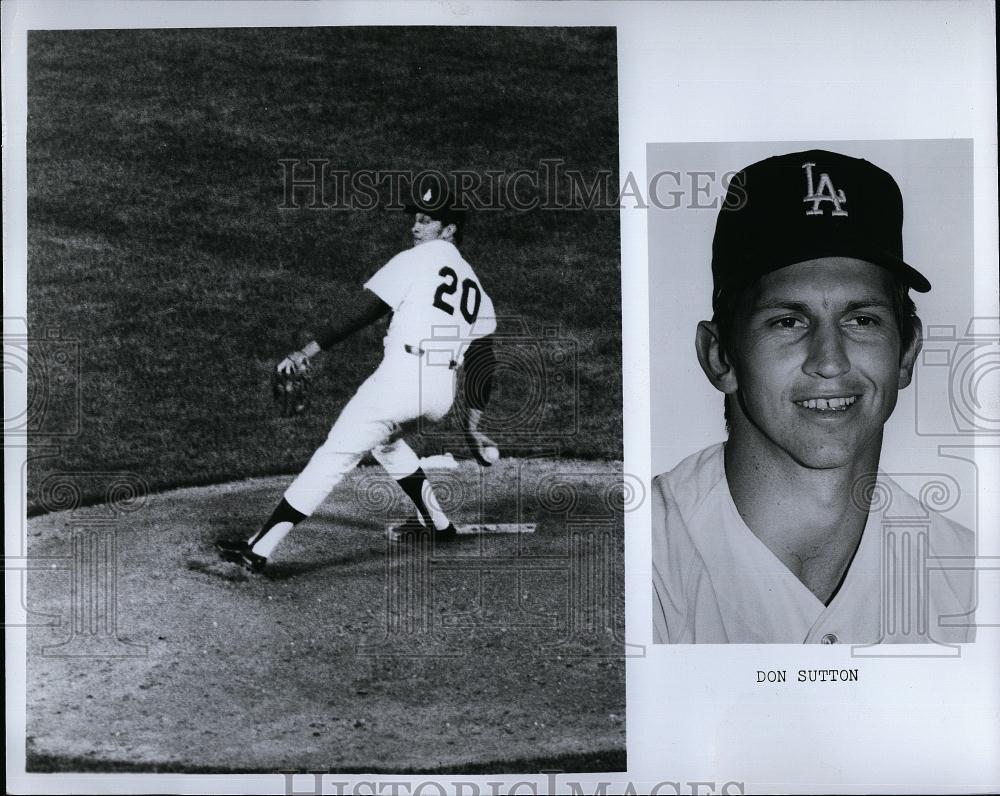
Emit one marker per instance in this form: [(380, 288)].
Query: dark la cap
[(437, 201), (807, 205)]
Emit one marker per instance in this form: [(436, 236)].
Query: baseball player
[(438, 306), (777, 535)]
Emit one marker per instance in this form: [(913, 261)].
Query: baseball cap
[(803, 206), (438, 202)]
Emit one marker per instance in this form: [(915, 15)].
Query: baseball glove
[(290, 384)]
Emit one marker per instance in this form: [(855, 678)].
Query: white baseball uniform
[(439, 306), (714, 581)]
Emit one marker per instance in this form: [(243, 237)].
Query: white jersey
[(439, 307), (435, 296), (714, 581)]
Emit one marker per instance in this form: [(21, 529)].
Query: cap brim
[(883, 259), (861, 250), (446, 217), (910, 275)]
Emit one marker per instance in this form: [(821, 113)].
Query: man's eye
[(789, 323), (864, 321)]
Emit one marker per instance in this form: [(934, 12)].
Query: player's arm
[(365, 310), (479, 366)]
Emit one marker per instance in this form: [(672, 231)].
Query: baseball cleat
[(412, 529), (449, 534), (239, 552)]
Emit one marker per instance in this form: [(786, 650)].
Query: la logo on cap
[(825, 193)]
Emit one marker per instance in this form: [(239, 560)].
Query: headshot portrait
[(796, 496)]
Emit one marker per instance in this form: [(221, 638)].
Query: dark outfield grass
[(157, 248)]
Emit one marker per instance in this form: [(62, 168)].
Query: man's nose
[(827, 355)]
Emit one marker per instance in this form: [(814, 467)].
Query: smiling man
[(779, 535)]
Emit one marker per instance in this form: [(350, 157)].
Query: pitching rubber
[(495, 527)]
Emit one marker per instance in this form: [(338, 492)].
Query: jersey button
[(829, 638)]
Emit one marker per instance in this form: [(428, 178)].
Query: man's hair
[(445, 221), (732, 303)]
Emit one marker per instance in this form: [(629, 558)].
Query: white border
[(710, 71)]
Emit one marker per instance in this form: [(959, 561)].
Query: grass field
[(157, 248)]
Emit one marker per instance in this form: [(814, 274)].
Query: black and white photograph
[(324, 418), (811, 264), (488, 397)]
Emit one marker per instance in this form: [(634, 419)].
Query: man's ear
[(909, 357), (448, 233), (713, 361)]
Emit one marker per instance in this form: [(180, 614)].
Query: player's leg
[(349, 439), (253, 553), (437, 392), (275, 528), (399, 460), (353, 434)]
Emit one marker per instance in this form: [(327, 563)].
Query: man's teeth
[(828, 404)]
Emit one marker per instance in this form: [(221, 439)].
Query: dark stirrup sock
[(413, 486), (283, 513)]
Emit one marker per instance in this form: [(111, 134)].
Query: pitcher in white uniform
[(442, 319)]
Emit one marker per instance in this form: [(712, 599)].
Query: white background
[(698, 72)]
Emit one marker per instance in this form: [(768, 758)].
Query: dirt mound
[(350, 654)]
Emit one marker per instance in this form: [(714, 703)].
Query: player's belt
[(417, 351)]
